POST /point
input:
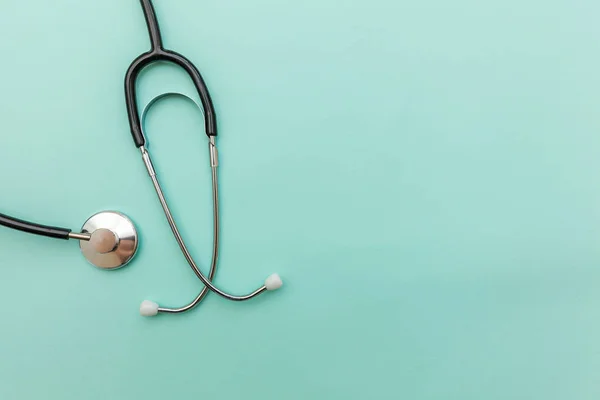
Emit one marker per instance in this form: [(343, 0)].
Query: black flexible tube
[(158, 53), (36, 229), (152, 23)]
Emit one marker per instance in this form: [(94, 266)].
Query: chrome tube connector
[(147, 161), (213, 152)]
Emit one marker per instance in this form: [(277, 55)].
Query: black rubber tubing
[(36, 229), (158, 53)]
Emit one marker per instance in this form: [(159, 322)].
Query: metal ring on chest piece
[(114, 240)]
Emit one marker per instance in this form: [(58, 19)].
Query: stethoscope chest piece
[(113, 242)]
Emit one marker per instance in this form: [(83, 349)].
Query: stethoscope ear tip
[(148, 308), (273, 282)]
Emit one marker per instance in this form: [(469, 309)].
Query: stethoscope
[(109, 239)]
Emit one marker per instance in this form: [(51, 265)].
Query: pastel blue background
[(422, 174)]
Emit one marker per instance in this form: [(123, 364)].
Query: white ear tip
[(148, 308), (273, 282)]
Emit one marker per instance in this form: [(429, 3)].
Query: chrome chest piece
[(112, 240)]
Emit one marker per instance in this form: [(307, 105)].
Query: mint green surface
[(422, 174)]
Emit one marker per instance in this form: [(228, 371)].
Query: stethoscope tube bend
[(158, 53)]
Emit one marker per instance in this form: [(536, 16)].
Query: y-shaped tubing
[(158, 53)]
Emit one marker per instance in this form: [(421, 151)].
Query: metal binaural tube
[(215, 254), (186, 253)]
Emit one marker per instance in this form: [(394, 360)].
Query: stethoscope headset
[(109, 239)]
